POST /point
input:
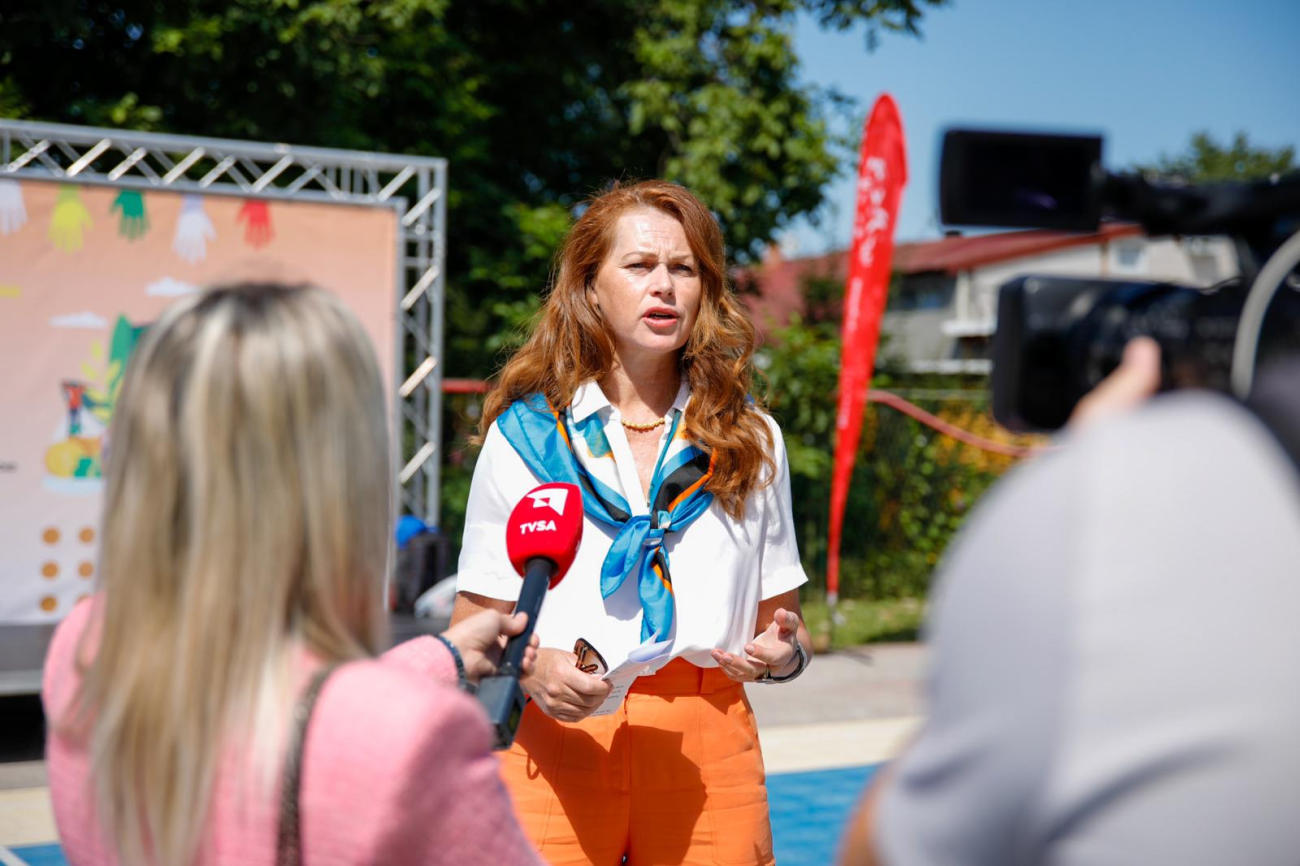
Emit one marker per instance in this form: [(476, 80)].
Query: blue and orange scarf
[(557, 448)]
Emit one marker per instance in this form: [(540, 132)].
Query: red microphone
[(542, 538), (546, 524)]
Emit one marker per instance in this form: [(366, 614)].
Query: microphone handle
[(537, 577)]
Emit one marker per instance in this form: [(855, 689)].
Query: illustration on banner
[(74, 462)]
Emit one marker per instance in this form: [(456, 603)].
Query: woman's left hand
[(771, 651)]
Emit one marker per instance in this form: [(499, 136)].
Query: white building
[(943, 307)]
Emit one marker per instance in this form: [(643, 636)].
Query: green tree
[(1207, 160), (534, 102)]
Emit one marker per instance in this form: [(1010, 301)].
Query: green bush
[(912, 486), (459, 423)]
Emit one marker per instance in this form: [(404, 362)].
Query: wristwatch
[(803, 663)]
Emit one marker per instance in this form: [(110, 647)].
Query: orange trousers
[(674, 776)]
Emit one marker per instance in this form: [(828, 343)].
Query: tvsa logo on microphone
[(552, 498), (537, 526)]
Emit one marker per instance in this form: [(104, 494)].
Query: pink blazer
[(396, 769)]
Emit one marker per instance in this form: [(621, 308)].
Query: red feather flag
[(881, 177)]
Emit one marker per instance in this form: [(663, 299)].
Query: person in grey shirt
[(1116, 657)]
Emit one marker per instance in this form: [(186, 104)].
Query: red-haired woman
[(635, 385)]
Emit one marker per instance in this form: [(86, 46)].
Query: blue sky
[(1144, 73)]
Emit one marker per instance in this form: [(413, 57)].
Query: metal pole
[(50, 152), (399, 355), (421, 394), (437, 306)]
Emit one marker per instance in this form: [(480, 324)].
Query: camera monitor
[(1020, 180)]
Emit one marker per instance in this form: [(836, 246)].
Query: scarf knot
[(557, 449)]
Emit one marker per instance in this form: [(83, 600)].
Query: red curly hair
[(572, 343)]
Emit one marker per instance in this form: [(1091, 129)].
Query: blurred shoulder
[(1185, 459), (60, 677), (68, 633), (379, 736), (1190, 439), (1199, 414), (381, 711)]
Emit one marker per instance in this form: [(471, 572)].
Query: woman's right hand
[(562, 691)]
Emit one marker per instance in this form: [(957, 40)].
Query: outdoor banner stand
[(100, 230), (882, 174)]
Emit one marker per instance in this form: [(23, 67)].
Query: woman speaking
[(635, 385)]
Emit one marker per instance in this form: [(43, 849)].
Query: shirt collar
[(590, 399), (683, 396)]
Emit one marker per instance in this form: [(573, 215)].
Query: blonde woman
[(245, 537)]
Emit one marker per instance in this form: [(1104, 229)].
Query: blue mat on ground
[(810, 810), (38, 855)]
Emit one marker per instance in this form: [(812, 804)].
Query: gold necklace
[(641, 428)]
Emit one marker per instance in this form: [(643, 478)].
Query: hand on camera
[(481, 638), (562, 691), (772, 651), (1132, 383)]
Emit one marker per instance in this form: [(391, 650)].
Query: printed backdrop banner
[(83, 270)]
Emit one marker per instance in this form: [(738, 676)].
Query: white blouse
[(721, 568)]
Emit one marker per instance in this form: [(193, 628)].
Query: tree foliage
[(1207, 160), (536, 103)]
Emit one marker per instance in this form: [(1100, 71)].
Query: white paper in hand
[(638, 663)]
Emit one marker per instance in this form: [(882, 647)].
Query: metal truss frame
[(213, 166)]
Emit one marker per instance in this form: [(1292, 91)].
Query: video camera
[(1057, 337)]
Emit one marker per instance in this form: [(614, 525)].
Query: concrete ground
[(849, 709), (881, 681)]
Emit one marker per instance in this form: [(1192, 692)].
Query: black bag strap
[(288, 843)]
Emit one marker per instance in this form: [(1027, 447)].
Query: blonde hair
[(572, 342), (246, 518)]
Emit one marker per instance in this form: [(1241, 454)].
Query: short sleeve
[(781, 569), (501, 478), (60, 680), (964, 791)]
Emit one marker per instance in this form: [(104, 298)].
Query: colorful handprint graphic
[(69, 221), (13, 213), (134, 222), (193, 230), (258, 232)]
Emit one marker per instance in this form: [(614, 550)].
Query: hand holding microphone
[(480, 640), (542, 537)]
